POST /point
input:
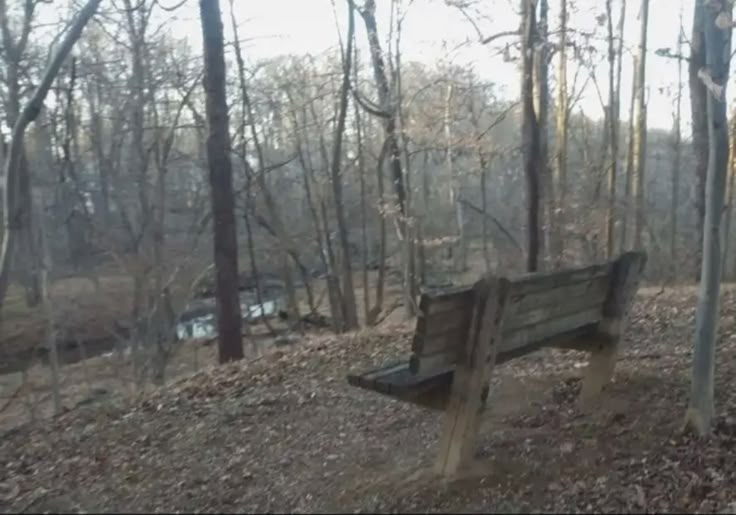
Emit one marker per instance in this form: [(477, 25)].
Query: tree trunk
[(629, 177), (363, 217), (455, 183), (613, 119), (484, 206), (350, 311), (230, 345), (48, 310), (718, 50), (729, 201), (700, 135), (382, 237), (541, 90), (558, 186), (677, 153), (530, 135), (640, 142)]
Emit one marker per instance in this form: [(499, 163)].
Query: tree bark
[(363, 216), (699, 116), (558, 186), (349, 308), (389, 116), (530, 135), (613, 129), (729, 200), (230, 344), (718, 50), (640, 142), (677, 155), (629, 177), (541, 90)]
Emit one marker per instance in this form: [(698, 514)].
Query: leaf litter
[(286, 433)]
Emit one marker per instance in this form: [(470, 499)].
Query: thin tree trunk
[(729, 201), (286, 245), (412, 228), (613, 119), (700, 135), (455, 182), (718, 50), (229, 320), (629, 177), (381, 278), (558, 186), (530, 135), (389, 116), (350, 312), (48, 308), (640, 142), (363, 216), (677, 153), (484, 206), (541, 90)]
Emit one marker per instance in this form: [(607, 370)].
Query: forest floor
[(285, 433)]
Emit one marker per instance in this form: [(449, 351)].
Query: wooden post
[(472, 374), (625, 278)]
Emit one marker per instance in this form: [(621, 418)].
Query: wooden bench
[(463, 332)]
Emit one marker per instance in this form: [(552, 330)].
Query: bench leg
[(470, 384), (457, 443), (625, 277), (599, 372)]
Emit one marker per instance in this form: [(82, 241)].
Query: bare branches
[(29, 113)]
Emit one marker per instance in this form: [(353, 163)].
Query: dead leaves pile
[(285, 433)]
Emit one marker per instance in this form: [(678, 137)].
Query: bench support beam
[(625, 278), (472, 374)]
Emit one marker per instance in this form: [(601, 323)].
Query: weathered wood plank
[(452, 338), (626, 274), (595, 289), (435, 332), (552, 311), (443, 321), (582, 338), (458, 299), (426, 363), (472, 373), (531, 334), (529, 283), (398, 381)]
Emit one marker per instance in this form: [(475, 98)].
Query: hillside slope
[(286, 433)]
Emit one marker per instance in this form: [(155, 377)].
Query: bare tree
[(350, 312), (541, 97), (614, 110), (717, 27), (388, 112), (640, 140), (558, 186), (15, 155), (229, 321), (530, 134), (677, 151), (700, 135)]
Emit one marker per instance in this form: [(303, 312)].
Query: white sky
[(274, 27), (300, 26)]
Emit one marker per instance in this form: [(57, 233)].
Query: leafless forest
[(170, 205)]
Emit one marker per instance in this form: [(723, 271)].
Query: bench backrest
[(539, 309)]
